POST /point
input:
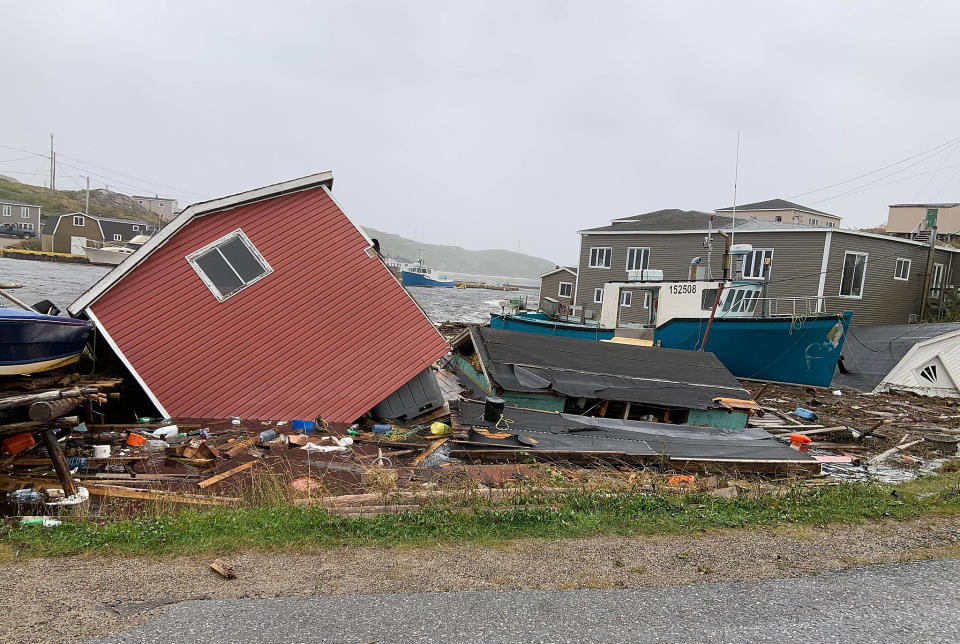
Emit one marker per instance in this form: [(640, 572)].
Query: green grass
[(578, 514)]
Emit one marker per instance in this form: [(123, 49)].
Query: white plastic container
[(101, 451)]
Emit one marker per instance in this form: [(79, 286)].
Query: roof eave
[(189, 213)]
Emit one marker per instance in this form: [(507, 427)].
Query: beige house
[(558, 284), (783, 211), (905, 219), (70, 232), (166, 208)]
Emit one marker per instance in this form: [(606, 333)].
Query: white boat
[(114, 254)]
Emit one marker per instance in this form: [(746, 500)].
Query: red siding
[(330, 332)]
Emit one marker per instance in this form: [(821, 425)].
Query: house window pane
[(600, 257), (638, 259), (217, 270), (902, 270), (243, 261), (626, 298), (598, 296), (566, 289), (854, 271)]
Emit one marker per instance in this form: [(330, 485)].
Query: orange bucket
[(135, 440)]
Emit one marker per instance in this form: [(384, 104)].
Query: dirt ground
[(54, 600)]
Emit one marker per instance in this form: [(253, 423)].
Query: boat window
[(728, 300), (707, 298), (229, 265), (750, 301)]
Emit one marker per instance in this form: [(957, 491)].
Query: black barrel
[(493, 408)]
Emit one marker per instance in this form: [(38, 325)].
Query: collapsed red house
[(270, 304)]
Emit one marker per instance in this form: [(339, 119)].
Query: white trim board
[(824, 262), (116, 349), (188, 214), (557, 270)]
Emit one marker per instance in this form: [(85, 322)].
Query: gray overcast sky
[(491, 124)]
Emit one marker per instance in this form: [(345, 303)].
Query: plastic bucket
[(135, 440), (101, 451)]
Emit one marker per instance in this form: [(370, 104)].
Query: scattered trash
[(837, 392), (805, 414), (101, 451), (223, 569), (440, 429), (46, 522)]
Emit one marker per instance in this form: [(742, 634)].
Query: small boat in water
[(114, 254), (32, 342), (420, 275)]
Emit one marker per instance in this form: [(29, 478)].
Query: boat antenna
[(736, 177)]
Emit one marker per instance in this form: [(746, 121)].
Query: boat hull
[(415, 279), (542, 324), (775, 349), (31, 342), (105, 257)]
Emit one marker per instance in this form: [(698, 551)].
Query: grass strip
[(578, 514)]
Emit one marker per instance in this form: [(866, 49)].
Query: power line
[(867, 174)]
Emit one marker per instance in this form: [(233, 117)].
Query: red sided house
[(269, 305)]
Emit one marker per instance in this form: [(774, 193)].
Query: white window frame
[(569, 286), (24, 226), (896, 269), (646, 299), (863, 284), (644, 255), (753, 255), (814, 221), (606, 252), (117, 237), (24, 212), (936, 281), (239, 234), (135, 227), (79, 220), (598, 295), (7, 210), (626, 299)]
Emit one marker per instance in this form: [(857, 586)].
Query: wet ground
[(63, 283)]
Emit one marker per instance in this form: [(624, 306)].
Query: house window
[(646, 299), (854, 274), (936, 282), (78, 220), (600, 257), (902, 269), (24, 213), (598, 296), (117, 237), (6, 211), (160, 204), (626, 298), (638, 259), (814, 221), (135, 228), (566, 289), (140, 201), (755, 264), (229, 265), (778, 218)]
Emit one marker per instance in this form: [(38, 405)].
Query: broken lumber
[(225, 475), (879, 458), (59, 462), (26, 399), (223, 569), (44, 411), (427, 452)]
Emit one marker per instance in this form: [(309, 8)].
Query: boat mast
[(736, 177)]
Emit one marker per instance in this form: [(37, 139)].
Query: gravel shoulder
[(75, 598)]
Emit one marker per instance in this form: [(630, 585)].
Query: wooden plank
[(225, 475), (158, 495), (59, 462), (427, 452), (240, 446)]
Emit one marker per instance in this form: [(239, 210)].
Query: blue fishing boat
[(32, 342), (539, 322), (419, 275), (749, 334)]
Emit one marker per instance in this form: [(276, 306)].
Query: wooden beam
[(427, 452), (43, 411), (59, 462), (224, 475)]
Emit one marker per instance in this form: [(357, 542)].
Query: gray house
[(878, 277), (20, 215)]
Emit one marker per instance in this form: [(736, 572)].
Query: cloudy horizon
[(492, 124)]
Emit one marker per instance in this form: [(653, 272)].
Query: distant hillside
[(54, 202), (504, 263)]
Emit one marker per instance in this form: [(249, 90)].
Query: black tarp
[(568, 432), (531, 362)]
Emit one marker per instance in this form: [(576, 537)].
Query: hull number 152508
[(676, 289)]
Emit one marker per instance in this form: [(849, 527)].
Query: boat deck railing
[(792, 306)]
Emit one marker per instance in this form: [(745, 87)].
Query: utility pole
[(927, 278), (86, 209), (53, 166)]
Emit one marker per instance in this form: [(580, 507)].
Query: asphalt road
[(915, 602)]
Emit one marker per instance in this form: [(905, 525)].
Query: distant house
[(223, 314), (20, 215), (784, 211), (878, 277), (164, 207), (70, 232), (910, 219), (558, 284)]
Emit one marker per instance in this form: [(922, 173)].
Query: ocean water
[(63, 283)]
